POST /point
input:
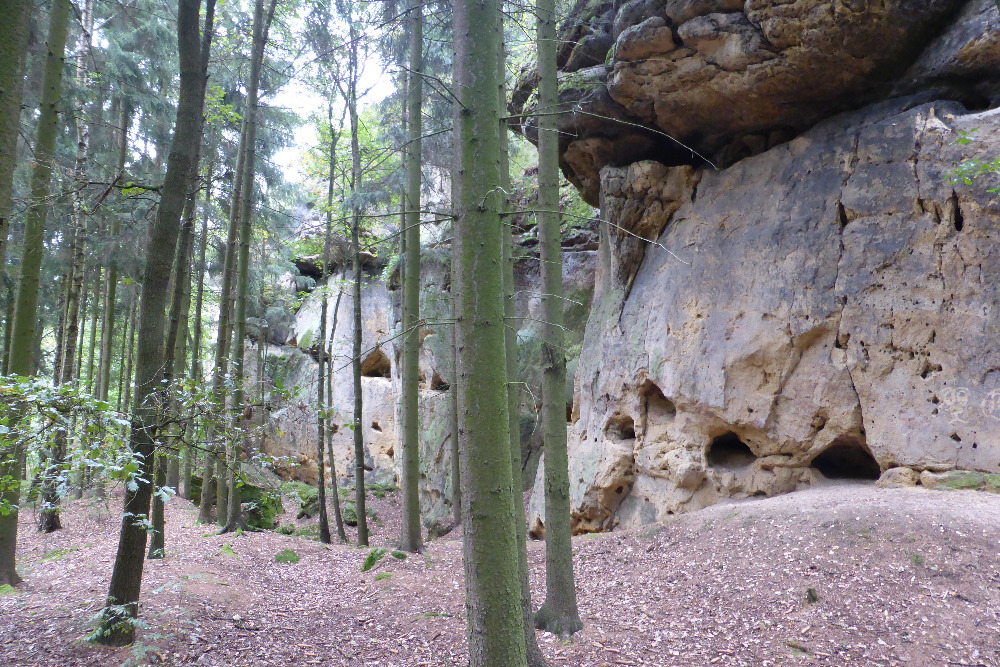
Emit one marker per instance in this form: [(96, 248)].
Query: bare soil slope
[(841, 575)]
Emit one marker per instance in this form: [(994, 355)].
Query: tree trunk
[(359, 437), (337, 514), (111, 286), (196, 371), (533, 653), (558, 614), (14, 31), (128, 355), (410, 539), (117, 625), (324, 359), (95, 308), (493, 600), (26, 307), (262, 24)]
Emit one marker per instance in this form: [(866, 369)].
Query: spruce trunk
[(117, 624), (493, 592), (359, 437), (410, 538), (559, 613), (26, 308), (111, 286), (13, 48), (532, 651), (262, 24)]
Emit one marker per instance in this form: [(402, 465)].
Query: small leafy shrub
[(287, 529), (373, 557), (286, 556)]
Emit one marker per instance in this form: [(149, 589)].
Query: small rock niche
[(620, 427), (729, 452), (376, 365), (657, 408), (847, 458)]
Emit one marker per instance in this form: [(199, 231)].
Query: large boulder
[(823, 309)]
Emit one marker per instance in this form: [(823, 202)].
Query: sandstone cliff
[(811, 295)]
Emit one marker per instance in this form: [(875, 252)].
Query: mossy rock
[(962, 480), (263, 506), (307, 496), (992, 484), (350, 514)]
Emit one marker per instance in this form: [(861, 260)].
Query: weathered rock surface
[(293, 429), (685, 81), (825, 308)]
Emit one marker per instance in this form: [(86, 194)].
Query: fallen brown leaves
[(901, 577)]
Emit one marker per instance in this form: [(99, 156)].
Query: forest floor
[(897, 577)]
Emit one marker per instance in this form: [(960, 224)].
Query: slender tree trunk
[(493, 600), (111, 286), (324, 359), (173, 365), (359, 437), (337, 514), (456, 195), (224, 334), (8, 321), (262, 24), (410, 539), (117, 625), (558, 614), (13, 47), (128, 354), (533, 653), (95, 309), (26, 308), (196, 370)]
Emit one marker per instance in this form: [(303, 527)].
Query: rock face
[(825, 308), (690, 81), (292, 435)]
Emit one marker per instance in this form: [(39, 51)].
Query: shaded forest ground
[(900, 577)]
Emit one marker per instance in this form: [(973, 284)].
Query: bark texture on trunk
[(262, 24), (359, 437), (532, 651), (23, 331), (117, 626), (558, 614), (493, 592), (410, 538), (14, 31)]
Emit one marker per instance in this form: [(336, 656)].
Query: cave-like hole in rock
[(847, 458), (376, 365), (437, 382), (657, 407), (376, 427), (620, 427), (728, 451)]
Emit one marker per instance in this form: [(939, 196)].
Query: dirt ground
[(898, 577)]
